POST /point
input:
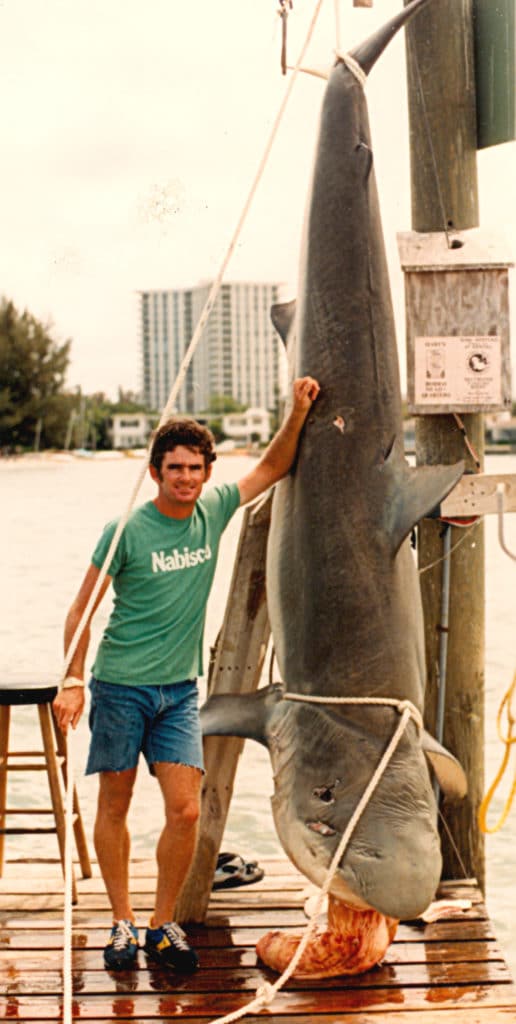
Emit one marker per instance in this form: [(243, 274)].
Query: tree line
[(38, 411)]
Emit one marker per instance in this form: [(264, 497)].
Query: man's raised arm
[(280, 454)]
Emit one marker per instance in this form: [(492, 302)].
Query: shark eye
[(324, 793)]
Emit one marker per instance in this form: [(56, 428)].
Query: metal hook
[(500, 490)]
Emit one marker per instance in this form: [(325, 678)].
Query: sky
[(131, 133)]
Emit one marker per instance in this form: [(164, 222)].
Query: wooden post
[(436, 443), (441, 88), (235, 668)]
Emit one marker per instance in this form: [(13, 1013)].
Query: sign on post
[(457, 315)]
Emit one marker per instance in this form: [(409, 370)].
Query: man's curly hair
[(182, 431)]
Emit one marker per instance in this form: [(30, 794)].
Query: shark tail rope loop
[(353, 66), (508, 740), (267, 992)]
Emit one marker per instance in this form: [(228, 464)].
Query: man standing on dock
[(144, 683)]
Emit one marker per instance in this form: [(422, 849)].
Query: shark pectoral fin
[(282, 316), (243, 715), (448, 772), (415, 493)]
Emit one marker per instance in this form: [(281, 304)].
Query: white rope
[(337, 24), (68, 877), (67, 923), (354, 67), (500, 492), (393, 702), (267, 992)]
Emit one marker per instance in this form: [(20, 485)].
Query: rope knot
[(265, 993), (407, 705)]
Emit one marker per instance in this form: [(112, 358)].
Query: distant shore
[(26, 460)]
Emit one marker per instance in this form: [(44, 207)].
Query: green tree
[(218, 405), (128, 401), (32, 372)]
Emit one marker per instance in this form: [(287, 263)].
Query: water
[(51, 513)]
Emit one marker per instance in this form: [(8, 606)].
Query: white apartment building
[(130, 429), (246, 427), (238, 354)]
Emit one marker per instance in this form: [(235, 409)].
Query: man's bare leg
[(112, 841), (180, 785)]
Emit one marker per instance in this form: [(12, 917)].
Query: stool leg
[(78, 827), (5, 718), (54, 784)]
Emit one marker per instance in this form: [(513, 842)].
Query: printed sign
[(458, 371)]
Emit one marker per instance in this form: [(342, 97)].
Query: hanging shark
[(342, 586)]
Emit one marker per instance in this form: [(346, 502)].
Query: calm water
[(51, 513)]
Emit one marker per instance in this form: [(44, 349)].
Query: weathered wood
[(445, 198), (492, 1015), (439, 45), (78, 827), (459, 303), (438, 441), (236, 668), (475, 495), (449, 972), (22, 962), (5, 719), (244, 979), (176, 1002)]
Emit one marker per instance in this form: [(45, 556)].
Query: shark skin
[(342, 586)]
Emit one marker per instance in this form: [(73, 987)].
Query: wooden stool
[(39, 760)]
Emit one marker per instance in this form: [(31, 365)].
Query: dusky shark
[(342, 585)]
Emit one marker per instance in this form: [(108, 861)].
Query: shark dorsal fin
[(282, 316), (414, 493)]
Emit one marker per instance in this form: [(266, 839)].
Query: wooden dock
[(449, 972)]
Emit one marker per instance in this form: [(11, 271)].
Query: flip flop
[(232, 870)]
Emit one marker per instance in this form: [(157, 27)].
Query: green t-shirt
[(162, 573)]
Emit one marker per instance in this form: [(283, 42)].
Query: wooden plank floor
[(449, 972)]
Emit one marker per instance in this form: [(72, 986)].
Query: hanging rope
[(500, 492), (508, 739), (467, 531), (284, 8), (68, 877), (167, 411)]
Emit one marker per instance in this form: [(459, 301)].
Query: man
[(144, 683)]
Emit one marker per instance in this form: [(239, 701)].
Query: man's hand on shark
[(305, 390)]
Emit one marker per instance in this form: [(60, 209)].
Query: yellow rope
[(508, 739)]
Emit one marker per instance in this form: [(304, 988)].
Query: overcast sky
[(131, 131)]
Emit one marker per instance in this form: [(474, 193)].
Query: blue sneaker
[(168, 947), (120, 952)]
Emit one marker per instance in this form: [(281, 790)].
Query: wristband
[(71, 681)]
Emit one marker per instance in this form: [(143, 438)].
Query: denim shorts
[(162, 722)]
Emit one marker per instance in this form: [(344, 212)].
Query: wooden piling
[(235, 668), (444, 190)]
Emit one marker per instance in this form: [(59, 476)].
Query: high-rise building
[(238, 354)]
